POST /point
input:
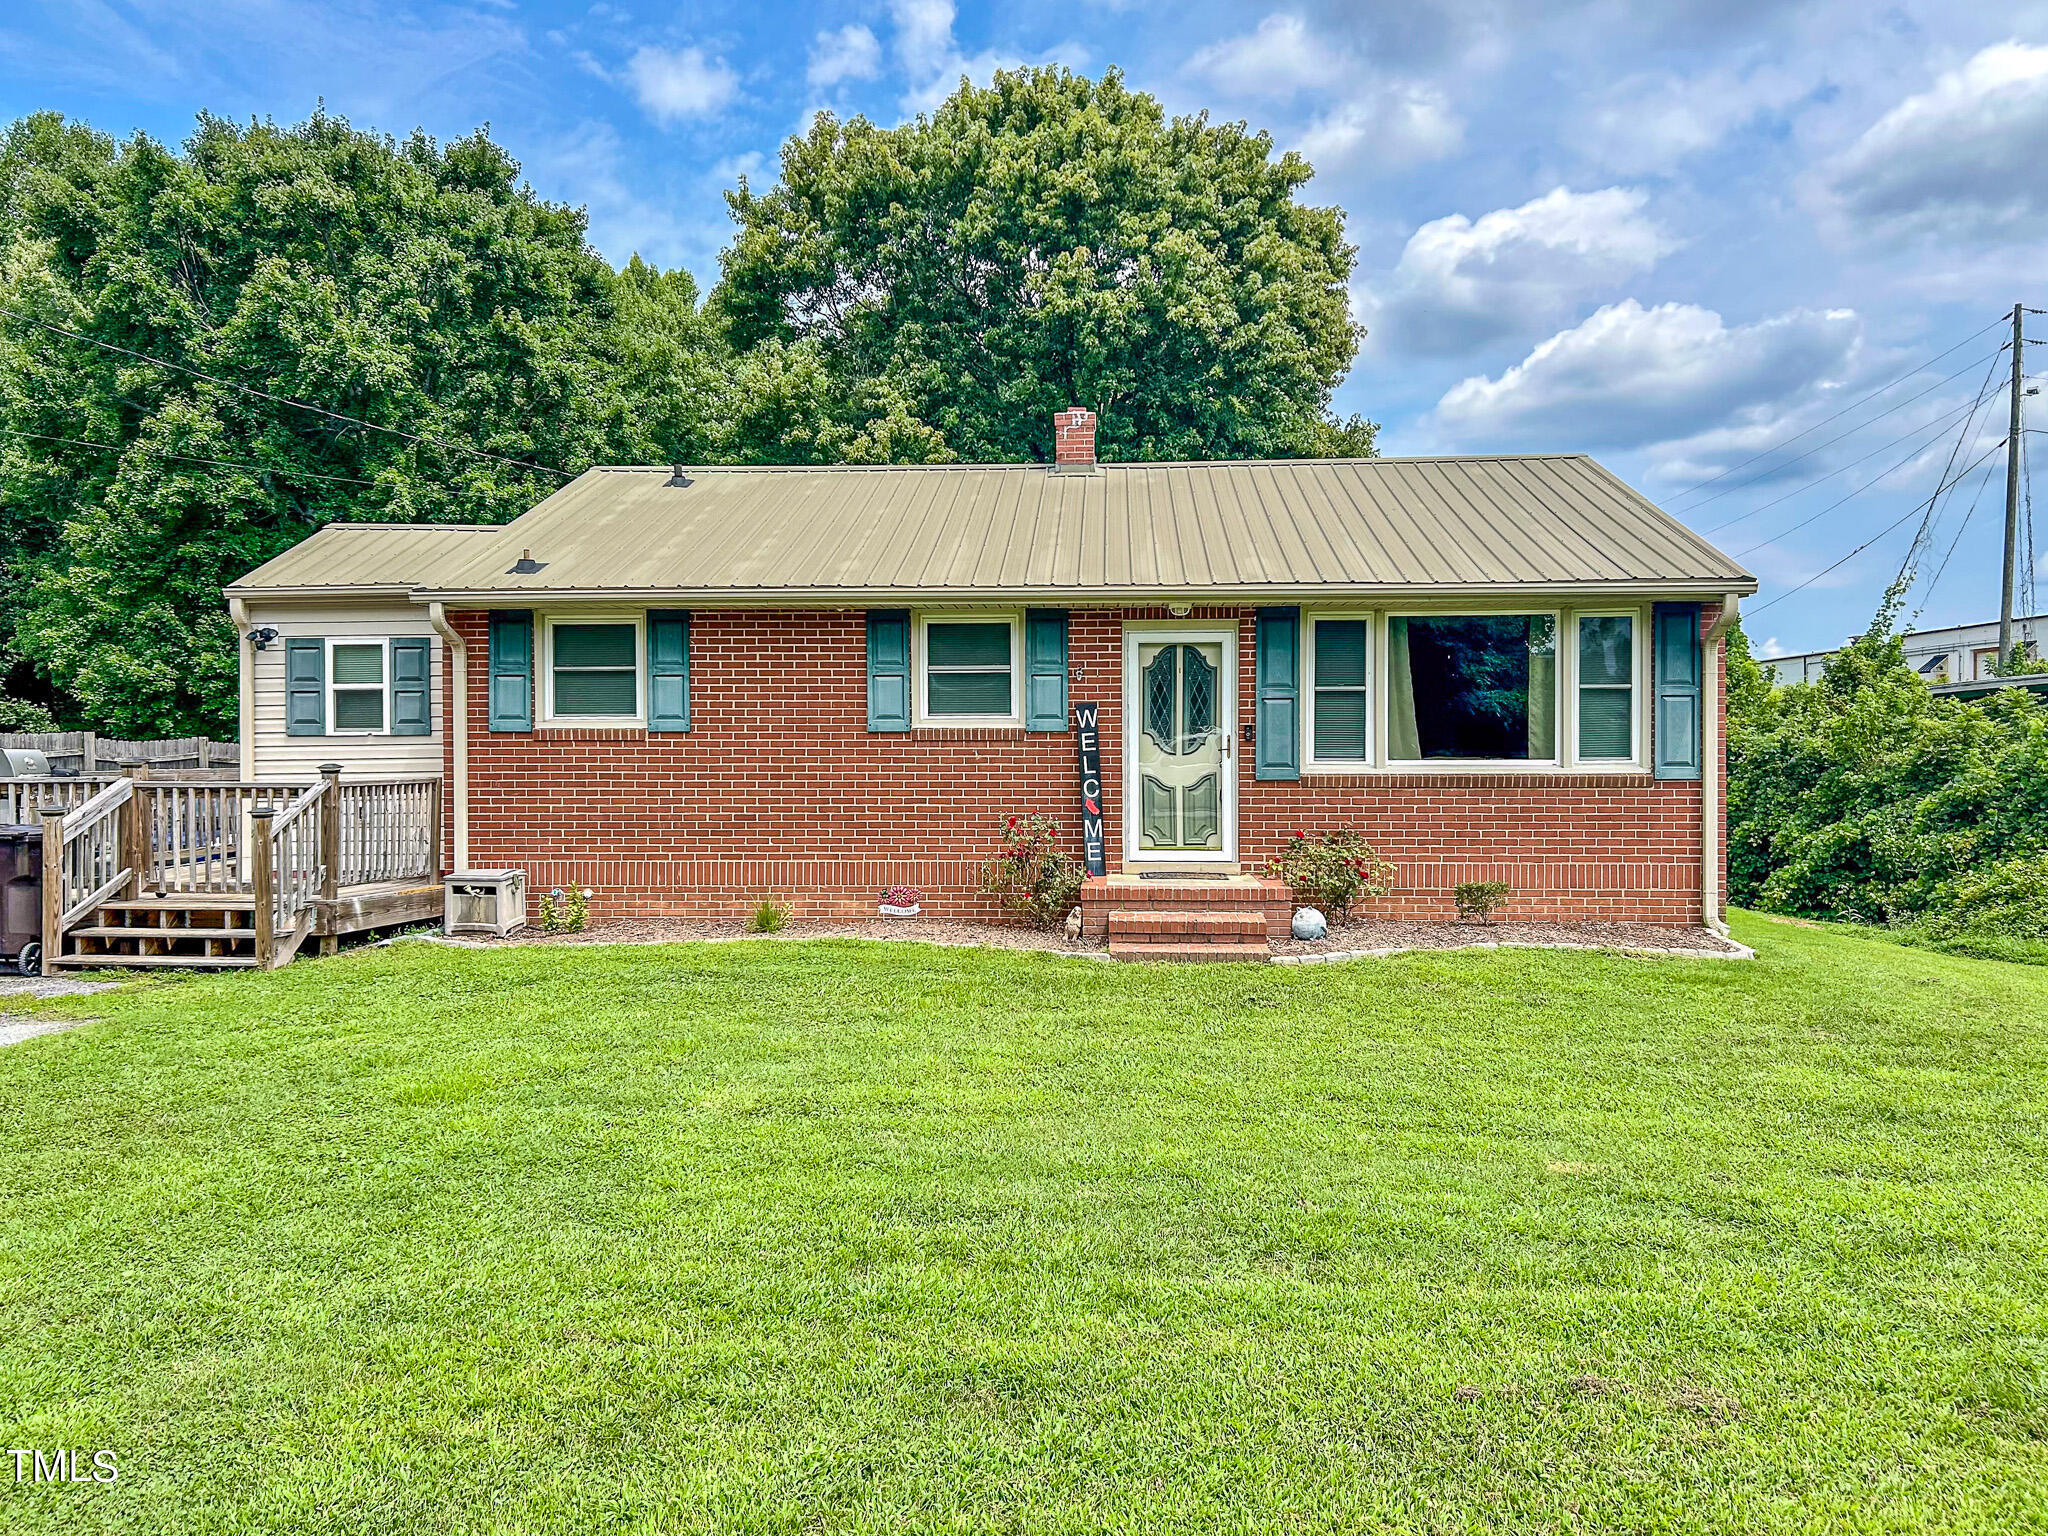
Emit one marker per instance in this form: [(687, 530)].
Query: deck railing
[(82, 855), (22, 800), (198, 833), (390, 831)]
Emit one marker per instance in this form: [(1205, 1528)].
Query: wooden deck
[(227, 876)]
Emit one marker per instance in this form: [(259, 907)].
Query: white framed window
[(1607, 660), (1470, 688), (592, 669), (969, 668), (1337, 721), (358, 688)]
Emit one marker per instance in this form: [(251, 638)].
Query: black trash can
[(21, 898)]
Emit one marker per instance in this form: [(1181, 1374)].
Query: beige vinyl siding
[(297, 759)]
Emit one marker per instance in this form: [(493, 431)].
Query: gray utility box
[(484, 901)]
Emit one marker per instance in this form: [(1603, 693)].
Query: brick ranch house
[(689, 689)]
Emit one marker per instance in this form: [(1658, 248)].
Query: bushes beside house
[(1865, 797)]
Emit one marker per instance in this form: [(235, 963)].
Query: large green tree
[(407, 284), (1045, 242)]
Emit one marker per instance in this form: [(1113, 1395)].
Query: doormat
[(1173, 874)]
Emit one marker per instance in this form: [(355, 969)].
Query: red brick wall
[(780, 791)]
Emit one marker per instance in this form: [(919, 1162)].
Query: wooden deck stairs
[(210, 876)]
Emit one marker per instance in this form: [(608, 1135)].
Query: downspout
[(458, 725), (245, 691), (1710, 768)]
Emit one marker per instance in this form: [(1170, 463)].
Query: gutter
[(1711, 768), (245, 691), (458, 727), (1692, 591)]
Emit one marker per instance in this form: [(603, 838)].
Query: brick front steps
[(1231, 917)]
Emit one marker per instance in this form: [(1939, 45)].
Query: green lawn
[(834, 1236)]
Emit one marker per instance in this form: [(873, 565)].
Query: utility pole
[(2012, 491)]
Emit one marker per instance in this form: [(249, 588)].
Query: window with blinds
[(594, 671), (1607, 687), (1338, 706)]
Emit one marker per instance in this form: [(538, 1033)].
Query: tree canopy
[(921, 294), (1052, 241)]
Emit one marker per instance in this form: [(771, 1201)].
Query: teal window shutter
[(1276, 641), (668, 671), (1676, 630), (889, 669), (305, 687), (511, 670), (1045, 669), (411, 686)]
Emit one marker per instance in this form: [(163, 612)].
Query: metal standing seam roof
[(360, 557), (968, 531)]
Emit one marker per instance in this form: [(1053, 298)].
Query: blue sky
[(1671, 235)]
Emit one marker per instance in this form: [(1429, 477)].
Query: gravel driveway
[(14, 1028)]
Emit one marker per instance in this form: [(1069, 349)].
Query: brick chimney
[(1073, 441)]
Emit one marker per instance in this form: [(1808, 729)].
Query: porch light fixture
[(1179, 610), (261, 638)]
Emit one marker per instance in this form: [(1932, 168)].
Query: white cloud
[(1393, 123), (923, 38), (1629, 376), (1461, 282), (1967, 158), (1277, 60), (851, 53), (1368, 117), (931, 61), (675, 84), (1651, 122)]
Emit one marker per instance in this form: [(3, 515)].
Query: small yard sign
[(1088, 760)]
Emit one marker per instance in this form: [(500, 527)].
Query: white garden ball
[(1310, 924)]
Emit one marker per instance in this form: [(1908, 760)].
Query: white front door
[(1180, 759)]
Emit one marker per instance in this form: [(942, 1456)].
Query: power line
[(272, 469), (1877, 479), (265, 394), (1845, 410), (1927, 593), (1777, 469), (1937, 426), (1933, 518), (1888, 528)]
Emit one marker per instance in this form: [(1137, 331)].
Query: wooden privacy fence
[(88, 752)]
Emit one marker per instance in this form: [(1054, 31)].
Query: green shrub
[(1032, 874), (1480, 898), (1331, 870), (1865, 797), (576, 910), (769, 917)]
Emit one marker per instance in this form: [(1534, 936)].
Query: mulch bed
[(1389, 933), (1366, 933), (923, 930)]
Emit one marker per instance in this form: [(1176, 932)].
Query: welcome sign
[(1088, 761)]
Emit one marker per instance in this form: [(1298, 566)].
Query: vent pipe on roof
[(526, 565)]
